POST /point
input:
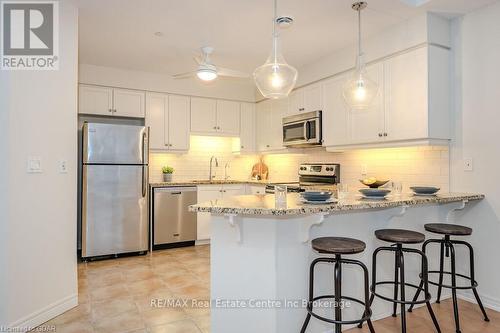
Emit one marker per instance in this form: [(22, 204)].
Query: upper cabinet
[(106, 101), (306, 99), (247, 128), (203, 115), (412, 106), (270, 124), (215, 117), (168, 119)]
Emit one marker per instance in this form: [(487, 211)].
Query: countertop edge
[(337, 207)]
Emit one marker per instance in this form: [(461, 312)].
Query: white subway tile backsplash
[(410, 165)]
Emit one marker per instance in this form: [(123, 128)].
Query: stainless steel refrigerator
[(114, 189)]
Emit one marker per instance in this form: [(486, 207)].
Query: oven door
[(302, 133)]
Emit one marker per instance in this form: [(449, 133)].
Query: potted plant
[(167, 173)]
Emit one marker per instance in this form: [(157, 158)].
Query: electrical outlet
[(63, 166), (364, 169), (468, 164), (34, 165)]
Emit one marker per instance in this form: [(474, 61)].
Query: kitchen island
[(260, 254)]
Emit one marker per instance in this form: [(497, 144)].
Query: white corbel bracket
[(236, 224), (305, 230), (402, 211), (460, 207)]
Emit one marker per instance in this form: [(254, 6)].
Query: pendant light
[(359, 91), (275, 79)]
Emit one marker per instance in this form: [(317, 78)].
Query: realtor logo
[(29, 35)]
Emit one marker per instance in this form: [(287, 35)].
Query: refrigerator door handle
[(144, 180), (85, 132)]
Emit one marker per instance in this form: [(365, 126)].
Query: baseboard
[(202, 242), (41, 316), (488, 302)]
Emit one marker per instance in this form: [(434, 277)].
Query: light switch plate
[(34, 165), (63, 166), (468, 164)]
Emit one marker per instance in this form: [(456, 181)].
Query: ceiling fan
[(207, 71)]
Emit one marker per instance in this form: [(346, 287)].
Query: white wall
[(38, 263), (226, 88), (477, 91)]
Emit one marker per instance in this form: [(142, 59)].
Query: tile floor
[(115, 296)]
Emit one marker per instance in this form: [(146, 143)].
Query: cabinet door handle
[(242, 147), (215, 127), (385, 134), (268, 146), (301, 109), (380, 135), (110, 110)]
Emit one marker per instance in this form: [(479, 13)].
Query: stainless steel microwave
[(302, 130)]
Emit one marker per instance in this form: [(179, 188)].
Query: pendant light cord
[(360, 50), (275, 33)]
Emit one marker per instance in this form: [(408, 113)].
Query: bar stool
[(337, 246), (399, 237), (448, 249)]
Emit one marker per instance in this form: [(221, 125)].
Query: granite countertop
[(265, 204), (214, 182)]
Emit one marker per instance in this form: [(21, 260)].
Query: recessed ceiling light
[(158, 34)]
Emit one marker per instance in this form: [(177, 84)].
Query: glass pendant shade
[(275, 79), (360, 91)]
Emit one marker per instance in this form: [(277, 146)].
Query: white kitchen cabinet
[(368, 125), (256, 189), (95, 100), (412, 107), (115, 102), (208, 193), (336, 115), (306, 99), (168, 119), (215, 117), (247, 128), (128, 103), (228, 117), (269, 125), (178, 122), (203, 115)]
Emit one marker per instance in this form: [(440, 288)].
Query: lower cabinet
[(256, 189), (212, 193)]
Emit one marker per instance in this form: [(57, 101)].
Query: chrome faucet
[(227, 166), (210, 177)]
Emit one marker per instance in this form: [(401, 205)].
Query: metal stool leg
[(374, 279), (396, 286), (402, 279), (421, 285), (338, 292), (441, 269), (425, 282), (454, 284), (311, 295), (473, 278)]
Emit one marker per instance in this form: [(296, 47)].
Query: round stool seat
[(400, 236), (338, 245), (448, 229)]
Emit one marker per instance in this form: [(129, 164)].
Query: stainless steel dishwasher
[(173, 224)]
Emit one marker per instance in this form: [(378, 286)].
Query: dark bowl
[(377, 183)]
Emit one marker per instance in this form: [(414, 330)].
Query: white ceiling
[(120, 33)]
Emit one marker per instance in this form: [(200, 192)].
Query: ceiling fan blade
[(197, 60), (184, 75), (231, 72)]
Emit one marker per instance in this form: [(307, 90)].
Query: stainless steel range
[(312, 175)]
